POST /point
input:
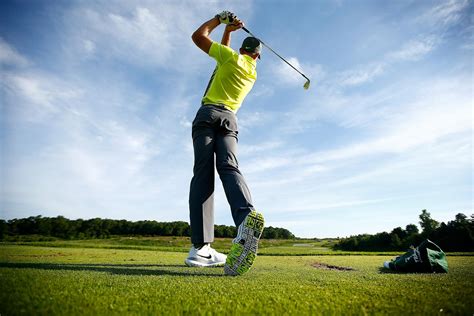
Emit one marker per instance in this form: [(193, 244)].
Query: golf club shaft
[(246, 30)]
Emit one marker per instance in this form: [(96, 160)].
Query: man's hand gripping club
[(201, 35)]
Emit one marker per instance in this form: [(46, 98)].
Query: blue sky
[(98, 99)]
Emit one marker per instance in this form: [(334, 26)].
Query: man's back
[(232, 79)]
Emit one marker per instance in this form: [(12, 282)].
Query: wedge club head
[(306, 85)]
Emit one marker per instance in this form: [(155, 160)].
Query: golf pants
[(214, 134)]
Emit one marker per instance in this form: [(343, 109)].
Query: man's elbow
[(201, 41), (195, 37)]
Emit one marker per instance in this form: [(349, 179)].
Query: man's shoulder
[(222, 51), (222, 46)]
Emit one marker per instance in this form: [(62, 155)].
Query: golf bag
[(427, 257)]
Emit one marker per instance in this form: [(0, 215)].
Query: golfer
[(214, 133)]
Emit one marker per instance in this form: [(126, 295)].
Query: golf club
[(306, 85)]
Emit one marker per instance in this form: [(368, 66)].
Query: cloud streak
[(10, 56), (444, 14)]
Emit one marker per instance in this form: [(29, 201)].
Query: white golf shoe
[(206, 256)]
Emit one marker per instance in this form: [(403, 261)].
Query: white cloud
[(140, 36), (412, 50), (185, 122), (10, 56), (421, 162), (439, 18), (260, 90), (248, 150), (250, 119), (265, 163), (305, 205), (103, 156), (415, 49), (36, 94), (89, 47), (288, 76), (94, 144), (141, 33), (468, 46), (441, 109), (435, 117), (360, 76), (445, 13)]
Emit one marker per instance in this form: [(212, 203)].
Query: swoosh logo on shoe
[(205, 257)]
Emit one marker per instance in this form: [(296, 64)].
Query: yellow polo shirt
[(232, 79)]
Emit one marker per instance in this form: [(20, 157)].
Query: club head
[(306, 85)]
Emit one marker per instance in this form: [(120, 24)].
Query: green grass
[(162, 243), (36, 280), (267, 247)]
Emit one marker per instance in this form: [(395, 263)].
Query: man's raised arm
[(201, 35)]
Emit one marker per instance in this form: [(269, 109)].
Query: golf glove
[(226, 17)]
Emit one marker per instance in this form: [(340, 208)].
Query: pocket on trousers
[(202, 122), (229, 123)]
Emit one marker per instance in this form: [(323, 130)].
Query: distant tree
[(411, 229), (92, 228), (44, 226), (180, 228), (3, 229), (277, 233), (456, 235), (286, 234), (269, 233), (219, 230), (395, 242), (62, 227), (353, 243), (167, 230), (461, 219), (25, 226), (400, 232), (413, 236), (427, 223)]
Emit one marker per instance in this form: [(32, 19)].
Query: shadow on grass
[(389, 271), (384, 270), (123, 269)]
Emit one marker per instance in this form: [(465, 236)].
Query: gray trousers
[(214, 134)]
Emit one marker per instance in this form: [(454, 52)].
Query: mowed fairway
[(97, 281)]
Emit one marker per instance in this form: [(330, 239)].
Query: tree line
[(455, 235), (61, 227)]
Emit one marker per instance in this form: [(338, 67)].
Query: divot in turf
[(324, 266)]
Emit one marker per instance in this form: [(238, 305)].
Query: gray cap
[(252, 45)]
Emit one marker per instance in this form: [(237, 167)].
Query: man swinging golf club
[(214, 133)]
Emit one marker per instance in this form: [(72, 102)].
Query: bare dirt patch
[(324, 266)]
